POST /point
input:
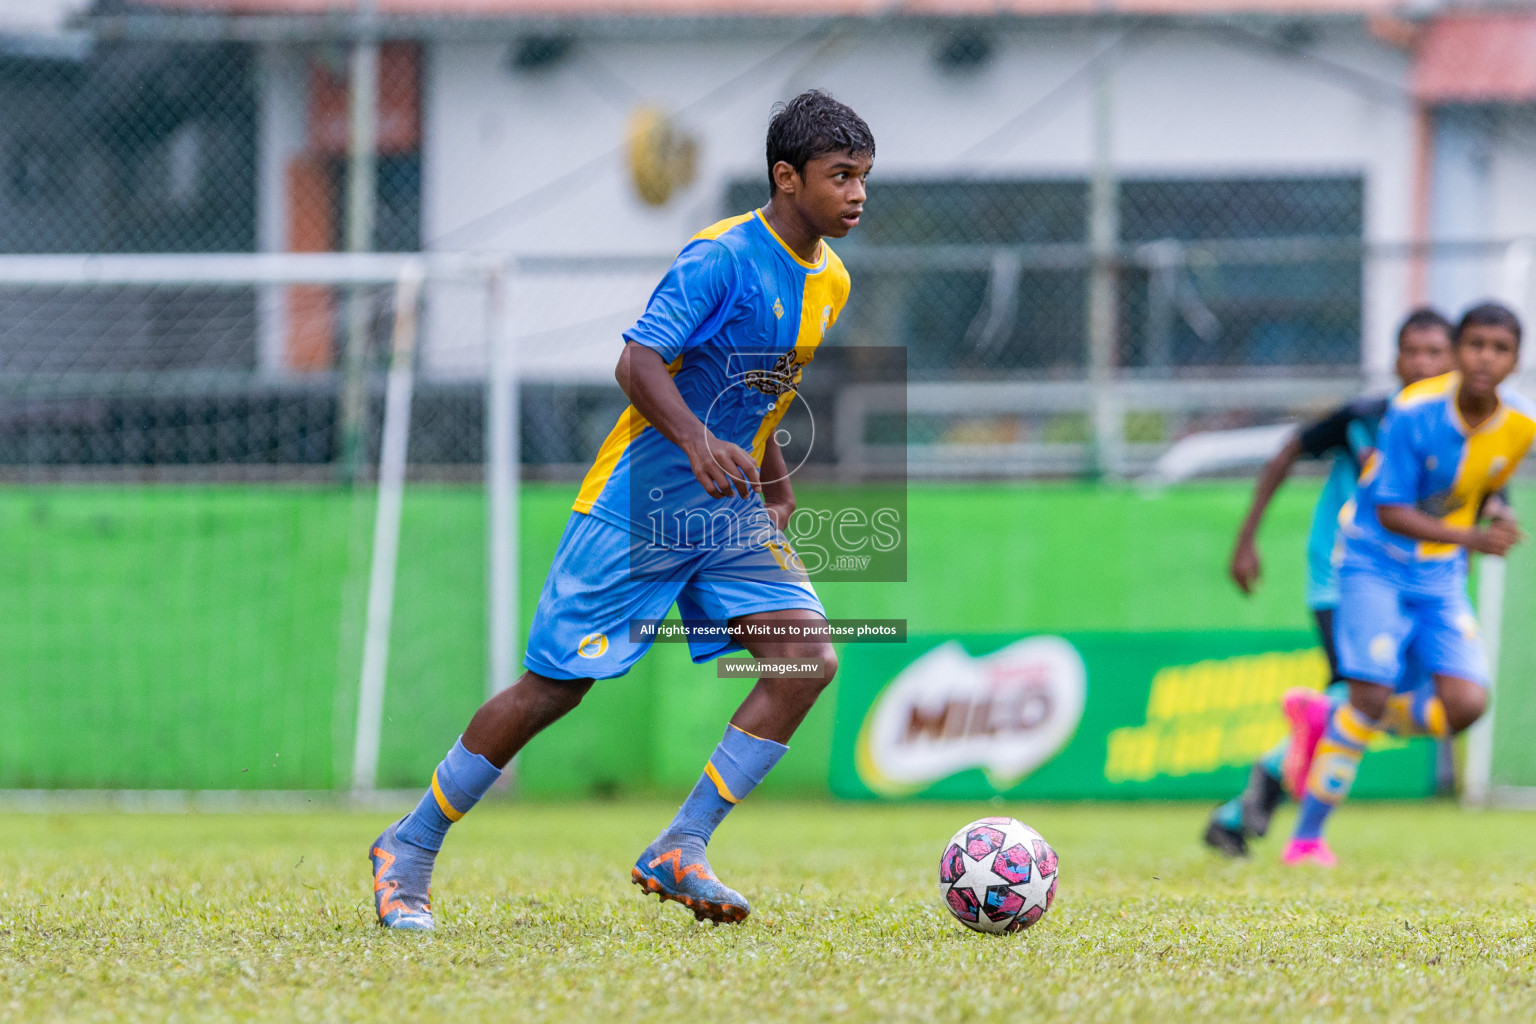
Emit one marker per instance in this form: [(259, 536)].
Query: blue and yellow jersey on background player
[(1429, 458), (737, 317)]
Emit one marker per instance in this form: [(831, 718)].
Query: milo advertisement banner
[(1081, 716)]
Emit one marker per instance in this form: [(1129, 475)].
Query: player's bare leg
[(404, 854), (1463, 702), (674, 866), (505, 723)]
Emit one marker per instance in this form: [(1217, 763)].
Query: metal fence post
[(362, 141), (1108, 414)]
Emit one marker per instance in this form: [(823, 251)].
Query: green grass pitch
[(251, 917)]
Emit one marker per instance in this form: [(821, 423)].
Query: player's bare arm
[(1495, 539), (720, 466), (1423, 351), (1245, 566)]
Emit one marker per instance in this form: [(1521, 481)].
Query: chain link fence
[(978, 278), (165, 379), (172, 147), (149, 147)]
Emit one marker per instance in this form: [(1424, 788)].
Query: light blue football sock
[(457, 785), (1230, 815), (738, 764), (1270, 763)]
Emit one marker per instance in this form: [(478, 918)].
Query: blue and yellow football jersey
[(737, 317), (1428, 457)]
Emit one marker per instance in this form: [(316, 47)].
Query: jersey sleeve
[(1399, 480), (694, 295), (1323, 436), (1332, 432)]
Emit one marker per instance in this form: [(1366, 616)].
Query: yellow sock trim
[(1356, 727), (733, 725), (1435, 722), (714, 776), (1398, 719), (1333, 771), (449, 811)]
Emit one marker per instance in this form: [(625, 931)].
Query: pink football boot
[(1309, 851), (1308, 712)]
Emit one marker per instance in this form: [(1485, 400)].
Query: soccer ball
[(998, 875)]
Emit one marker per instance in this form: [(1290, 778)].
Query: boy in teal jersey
[(1447, 446), (1348, 434), (685, 504)]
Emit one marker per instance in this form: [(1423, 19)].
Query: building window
[(981, 277)]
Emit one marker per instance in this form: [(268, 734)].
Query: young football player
[(1447, 445), (685, 504), (1347, 435)]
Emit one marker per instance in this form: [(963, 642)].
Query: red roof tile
[(1477, 58), (774, 8)]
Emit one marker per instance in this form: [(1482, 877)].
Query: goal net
[(216, 575)]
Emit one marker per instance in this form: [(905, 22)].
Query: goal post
[(1477, 779), (502, 447), (386, 530), (180, 539), (1500, 759)]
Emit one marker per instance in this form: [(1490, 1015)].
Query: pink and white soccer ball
[(998, 875)]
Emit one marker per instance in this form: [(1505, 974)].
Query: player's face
[(1424, 352), (830, 194), (1485, 355)]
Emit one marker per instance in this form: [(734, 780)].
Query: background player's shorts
[(1322, 594), (598, 584), (1385, 633), (1324, 619)]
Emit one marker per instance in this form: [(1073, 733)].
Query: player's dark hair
[(812, 125), (1489, 314), (1424, 318)]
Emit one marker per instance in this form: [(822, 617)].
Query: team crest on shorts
[(593, 645), (1383, 648)]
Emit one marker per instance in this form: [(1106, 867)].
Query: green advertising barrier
[(1082, 716)]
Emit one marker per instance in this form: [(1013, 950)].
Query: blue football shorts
[(601, 581), (1392, 635)]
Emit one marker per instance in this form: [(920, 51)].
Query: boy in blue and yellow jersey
[(685, 505), (1347, 436), (1447, 445)]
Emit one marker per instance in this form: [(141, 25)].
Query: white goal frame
[(406, 274)]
